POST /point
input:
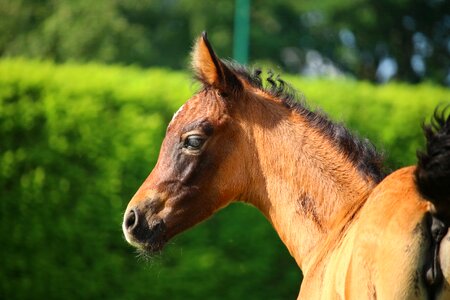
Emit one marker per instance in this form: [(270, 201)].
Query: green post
[(241, 31)]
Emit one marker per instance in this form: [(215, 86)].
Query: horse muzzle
[(145, 232)]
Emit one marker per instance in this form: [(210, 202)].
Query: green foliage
[(76, 141)]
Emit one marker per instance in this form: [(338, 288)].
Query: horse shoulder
[(392, 238), (381, 250)]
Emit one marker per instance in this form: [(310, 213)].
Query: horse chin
[(151, 249)]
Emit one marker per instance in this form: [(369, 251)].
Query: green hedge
[(76, 141)]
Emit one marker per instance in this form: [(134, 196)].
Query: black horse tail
[(432, 174)]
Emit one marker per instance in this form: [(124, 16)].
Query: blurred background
[(375, 40), (87, 89)]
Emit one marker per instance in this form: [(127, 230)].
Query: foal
[(354, 234)]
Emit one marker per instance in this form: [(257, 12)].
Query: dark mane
[(361, 152), (432, 174)]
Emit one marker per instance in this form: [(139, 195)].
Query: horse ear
[(209, 69)]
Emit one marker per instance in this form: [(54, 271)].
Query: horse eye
[(194, 142)]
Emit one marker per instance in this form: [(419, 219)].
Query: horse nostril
[(131, 220)]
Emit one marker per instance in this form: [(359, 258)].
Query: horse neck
[(299, 179)]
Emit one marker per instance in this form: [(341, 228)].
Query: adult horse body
[(354, 233)]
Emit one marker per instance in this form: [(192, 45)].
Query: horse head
[(200, 167)]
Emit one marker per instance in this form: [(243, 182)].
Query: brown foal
[(354, 233)]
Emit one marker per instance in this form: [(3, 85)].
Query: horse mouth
[(152, 246)]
